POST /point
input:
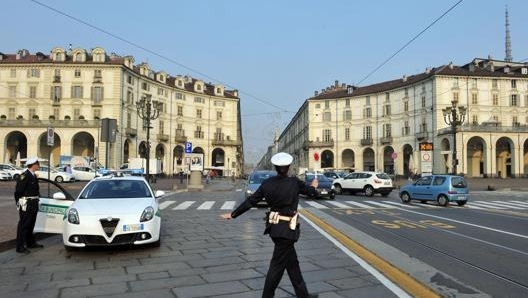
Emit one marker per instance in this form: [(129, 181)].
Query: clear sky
[(275, 52)]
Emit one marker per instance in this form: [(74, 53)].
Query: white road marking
[(228, 205), (166, 204), (206, 205), (316, 205), (183, 205), (488, 205), (511, 205), (360, 205), (339, 205), (380, 204)]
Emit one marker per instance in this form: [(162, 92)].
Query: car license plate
[(130, 228), (387, 183), (324, 192), (461, 198)]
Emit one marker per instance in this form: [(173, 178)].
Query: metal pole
[(148, 139)]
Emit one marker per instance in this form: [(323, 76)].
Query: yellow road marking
[(402, 279)]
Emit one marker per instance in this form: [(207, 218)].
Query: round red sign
[(316, 156)]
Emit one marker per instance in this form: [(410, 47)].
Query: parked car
[(334, 175), (255, 180), (5, 176), (440, 188), (324, 187), (369, 183), (55, 174), (109, 211), (84, 173), (11, 169)]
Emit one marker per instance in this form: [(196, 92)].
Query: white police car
[(109, 211)]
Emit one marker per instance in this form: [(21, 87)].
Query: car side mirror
[(59, 196), (159, 193)]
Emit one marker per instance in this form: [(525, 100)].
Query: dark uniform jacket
[(27, 186), (282, 195)]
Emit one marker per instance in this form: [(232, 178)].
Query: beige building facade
[(72, 90), (398, 126)]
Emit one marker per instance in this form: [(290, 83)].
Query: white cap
[(31, 160), (281, 159)]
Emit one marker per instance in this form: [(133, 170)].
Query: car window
[(115, 189), (424, 180), (365, 175), (383, 176), (258, 178), (458, 182), (310, 177), (439, 180)]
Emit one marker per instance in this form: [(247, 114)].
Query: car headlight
[(147, 214), (249, 192), (73, 216)]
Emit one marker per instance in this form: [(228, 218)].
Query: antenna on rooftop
[(509, 57)]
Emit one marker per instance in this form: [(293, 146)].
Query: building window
[(406, 92), (367, 101), (56, 94), (387, 97), (514, 100), (474, 98), (406, 106), (387, 130), (386, 110), (347, 115), (32, 92), (76, 92), (219, 136), (327, 104), (219, 103), (218, 115), (327, 135), (77, 73), (56, 113), (130, 80), (198, 133), (12, 73), (180, 111), (347, 102), (423, 88), (474, 120), (12, 91), (32, 112), (199, 99), (347, 134), (367, 132), (495, 99), (514, 84), (368, 112), (318, 106), (494, 83), (199, 113), (130, 97), (423, 125), (327, 117), (34, 73), (145, 86), (495, 118), (97, 95), (455, 83), (161, 127), (474, 83), (98, 74), (180, 96), (423, 102), (406, 130), (515, 121)]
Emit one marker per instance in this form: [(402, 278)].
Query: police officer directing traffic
[(27, 197), (282, 195)]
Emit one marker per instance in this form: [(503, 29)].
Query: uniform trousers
[(284, 258), (26, 224)]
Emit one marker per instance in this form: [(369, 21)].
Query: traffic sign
[(188, 147), (51, 136)]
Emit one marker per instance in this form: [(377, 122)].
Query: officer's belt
[(30, 198)]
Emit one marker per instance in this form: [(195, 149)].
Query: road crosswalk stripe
[(316, 205), (206, 205), (381, 204), (510, 203), (339, 205), (521, 203), (505, 204), (471, 206), (183, 205), (485, 204), (359, 204), (166, 204), (401, 205), (228, 205)]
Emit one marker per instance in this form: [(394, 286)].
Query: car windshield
[(383, 176), (116, 189), (458, 182), (320, 177), (258, 178)]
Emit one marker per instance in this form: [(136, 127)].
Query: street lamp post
[(148, 110), (454, 116)]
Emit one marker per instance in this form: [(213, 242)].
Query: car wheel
[(369, 191), (443, 200), (332, 196), (405, 197), (59, 179), (338, 189), (461, 203)]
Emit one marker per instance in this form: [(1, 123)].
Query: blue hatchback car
[(440, 188)]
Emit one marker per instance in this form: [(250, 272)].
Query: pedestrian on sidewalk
[(27, 195), (282, 195)]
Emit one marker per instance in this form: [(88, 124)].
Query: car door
[(422, 188), (349, 181), (54, 201)]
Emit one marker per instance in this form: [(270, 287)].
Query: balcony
[(56, 79), (50, 122), (180, 138), (98, 79), (486, 127), (385, 140), (318, 144), (367, 142), (421, 136), (162, 137), (225, 142), (131, 132)]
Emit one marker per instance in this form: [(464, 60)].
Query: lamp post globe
[(454, 116)]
